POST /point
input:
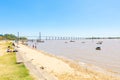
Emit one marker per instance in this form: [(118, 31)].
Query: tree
[(1, 37), (10, 37), (23, 38)]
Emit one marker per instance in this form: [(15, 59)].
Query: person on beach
[(33, 46), (13, 44), (8, 49)]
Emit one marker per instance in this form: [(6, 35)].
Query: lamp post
[(17, 38), (40, 36)]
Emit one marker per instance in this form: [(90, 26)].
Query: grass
[(9, 70)]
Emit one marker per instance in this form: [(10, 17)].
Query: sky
[(84, 18)]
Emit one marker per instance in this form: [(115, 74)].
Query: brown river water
[(84, 50)]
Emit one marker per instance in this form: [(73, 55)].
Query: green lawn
[(9, 70)]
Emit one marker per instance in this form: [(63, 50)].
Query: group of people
[(34, 46), (10, 49)]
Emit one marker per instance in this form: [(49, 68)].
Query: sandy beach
[(62, 69)]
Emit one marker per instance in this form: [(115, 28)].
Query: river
[(84, 50)]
